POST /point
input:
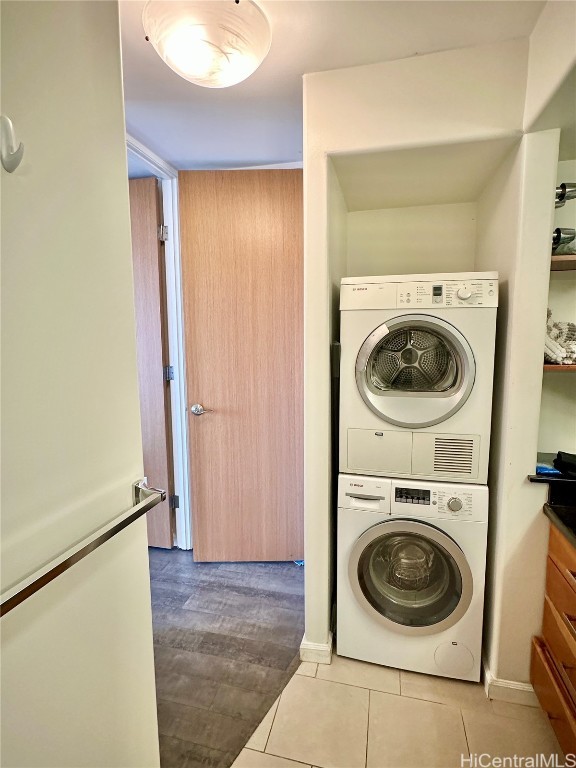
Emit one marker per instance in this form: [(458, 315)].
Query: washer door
[(415, 371), (410, 576)]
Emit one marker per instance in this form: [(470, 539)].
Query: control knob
[(454, 504), (464, 293)]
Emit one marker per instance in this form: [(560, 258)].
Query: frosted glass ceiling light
[(214, 43)]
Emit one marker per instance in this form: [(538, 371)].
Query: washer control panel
[(447, 501), (413, 498), (449, 293), (453, 502)]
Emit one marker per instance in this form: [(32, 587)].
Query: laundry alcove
[(413, 170), (456, 207)]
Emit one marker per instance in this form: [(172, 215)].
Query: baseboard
[(320, 653), (509, 690)]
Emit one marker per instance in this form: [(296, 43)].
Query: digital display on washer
[(412, 496), (436, 290)]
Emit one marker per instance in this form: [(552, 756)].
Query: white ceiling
[(259, 122)]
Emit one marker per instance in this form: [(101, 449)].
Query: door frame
[(168, 177)]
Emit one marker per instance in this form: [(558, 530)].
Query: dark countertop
[(564, 518), (561, 489)]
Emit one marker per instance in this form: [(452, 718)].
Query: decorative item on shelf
[(560, 342), (565, 191), (564, 240), (213, 43)]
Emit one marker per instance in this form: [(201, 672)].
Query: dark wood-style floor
[(226, 639)]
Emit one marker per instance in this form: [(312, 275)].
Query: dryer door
[(410, 576), (415, 371)]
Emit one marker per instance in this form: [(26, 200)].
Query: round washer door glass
[(411, 575), (415, 370)]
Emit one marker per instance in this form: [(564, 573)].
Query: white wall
[(71, 432), (422, 100), (514, 224), (552, 56), (338, 234), (321, 286), (412, 240), (77, 664), (562, 296), (439, 98)]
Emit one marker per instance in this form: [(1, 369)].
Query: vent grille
[(454, 455)]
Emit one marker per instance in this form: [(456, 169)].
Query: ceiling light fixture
[(214, 43)]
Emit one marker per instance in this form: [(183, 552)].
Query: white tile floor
[(350, 714)]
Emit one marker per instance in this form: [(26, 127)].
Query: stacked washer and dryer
[(417, 359)]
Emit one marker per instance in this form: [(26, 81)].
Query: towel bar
[(144, 498)]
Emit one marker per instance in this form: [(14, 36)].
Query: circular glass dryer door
[(410, 576), (415, 371)]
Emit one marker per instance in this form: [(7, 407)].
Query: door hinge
[(163, 233), (168, 373), (174, 502)]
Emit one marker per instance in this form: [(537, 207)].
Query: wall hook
[(10, 154)]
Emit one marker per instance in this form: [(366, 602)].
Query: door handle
[(198, 409)]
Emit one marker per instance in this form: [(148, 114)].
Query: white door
[(77, 663)]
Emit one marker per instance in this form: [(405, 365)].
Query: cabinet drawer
[(560, 637), (564, 555), (559, 590), (553, 696)]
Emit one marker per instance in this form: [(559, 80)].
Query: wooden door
[(241, 240), (152, 348)]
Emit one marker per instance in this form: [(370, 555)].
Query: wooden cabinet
[(553, 668)]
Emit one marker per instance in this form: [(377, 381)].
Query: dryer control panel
[(449, 293), (446, 291)]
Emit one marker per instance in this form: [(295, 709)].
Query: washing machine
[(410, 581), (417, 361)]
